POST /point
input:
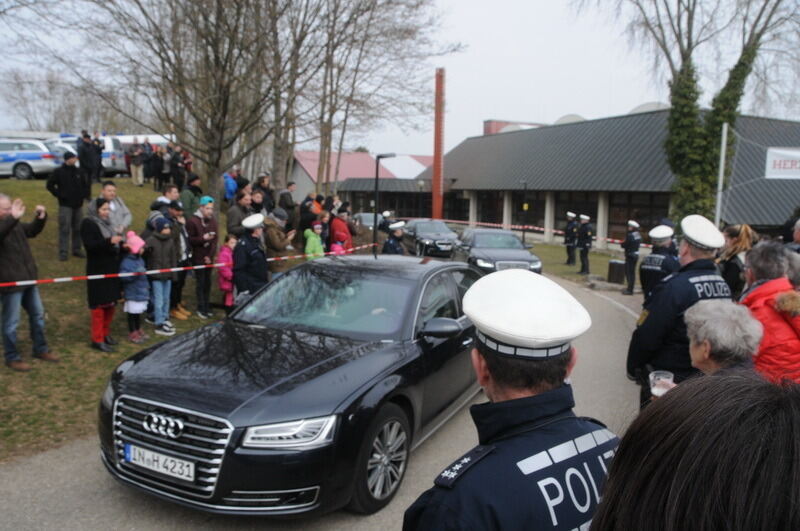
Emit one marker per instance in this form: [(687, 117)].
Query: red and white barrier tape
[(532, 228), (167, 270)]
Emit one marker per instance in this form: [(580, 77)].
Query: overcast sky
[(528, 60)]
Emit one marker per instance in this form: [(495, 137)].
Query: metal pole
[(524, 209), (722, 155), (375, 213)]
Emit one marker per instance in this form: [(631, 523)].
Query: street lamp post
[(375, 216), (420, 186)]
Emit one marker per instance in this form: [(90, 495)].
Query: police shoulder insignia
[(642, 317), (460, 466)]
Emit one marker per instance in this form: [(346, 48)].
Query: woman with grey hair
[(722, 335)]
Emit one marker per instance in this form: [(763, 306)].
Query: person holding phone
[(202, 229)]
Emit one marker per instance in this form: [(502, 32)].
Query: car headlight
[(536, 264), (300, 434), (108, 396), (480, 262), (427, 242)]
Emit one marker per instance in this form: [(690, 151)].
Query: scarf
[(104, 224)]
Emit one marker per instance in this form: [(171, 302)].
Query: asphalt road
[(68, 488)]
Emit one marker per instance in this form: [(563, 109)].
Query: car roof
[(483, 231), (407, 267)]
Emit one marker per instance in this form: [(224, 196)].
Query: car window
[(26, 146), (117, 144), (6, 146), (464, 279), (437, 300), (497, 240), (433, 226)]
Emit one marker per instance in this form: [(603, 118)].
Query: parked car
[(113, 155), (309, 397), (366, 219), (26, 158), (429, 237), (494, 250)]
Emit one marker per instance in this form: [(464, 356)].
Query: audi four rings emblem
[(163, 425)]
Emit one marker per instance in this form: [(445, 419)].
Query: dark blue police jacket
[(571, 233), (585, 233), (660, 336), (393, 246), (655, 267), (631, 244), (538, 466)]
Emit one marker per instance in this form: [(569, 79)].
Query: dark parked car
[(430, 237), (308, 398), (494, 250), (366, 219)]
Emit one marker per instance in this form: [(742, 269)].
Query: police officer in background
[(660, 341), (250, 269), (585, 233), (571, 237), (394, 245), (537, 465), (631, 246), (660, 262)]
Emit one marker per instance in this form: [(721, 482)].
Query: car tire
[(383, 458), (23, 172), (420, 250)]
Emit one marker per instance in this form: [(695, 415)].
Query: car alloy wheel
[(382, 460), (23, 172)]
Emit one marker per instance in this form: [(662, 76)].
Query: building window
[(577, 202), (534, 215), (648, 209)]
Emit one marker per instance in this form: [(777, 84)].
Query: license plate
[(444, 247), (157, 462)]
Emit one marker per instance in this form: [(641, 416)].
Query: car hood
[(251, 374), (494, 255), (437, 235)]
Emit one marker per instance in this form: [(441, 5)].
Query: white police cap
[(584, 217), (386, 214), (253, 221), (521, 314), (397, 225), (701, 233), (661, 232), (632, 223), (570, 214)]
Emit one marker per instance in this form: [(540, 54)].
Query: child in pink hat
[(136, 287)]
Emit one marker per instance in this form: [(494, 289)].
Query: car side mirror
[(442, 327), (528, 245)]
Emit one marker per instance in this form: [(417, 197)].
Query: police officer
[(250, 270), (570, 237), (385, 222), (660, 341), (394, 244), (585, 233), (537, 465), (631, 246), (660, 262)]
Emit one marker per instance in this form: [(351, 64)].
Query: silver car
[(24, 158)]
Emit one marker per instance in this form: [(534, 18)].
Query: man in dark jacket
[(660, 341), (394, 244), (178, 167), (183, 249), (238, 212), (631, 247), (660, 262), (99, 146), (17, 263), (202, 229), (71, 188), (571, 237), (250, 270), (585, 233), (286, 202), (87, 156)]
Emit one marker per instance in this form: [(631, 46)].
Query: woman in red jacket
[(773, 300)]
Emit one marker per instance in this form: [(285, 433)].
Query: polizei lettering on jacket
[(576, 484), (711, 287)]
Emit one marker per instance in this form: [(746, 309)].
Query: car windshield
[(333, 300), (497, 241), (431, 226)]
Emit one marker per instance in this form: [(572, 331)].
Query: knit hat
[(280, 213), (160, 223), (68, 155), (316, 224), (134, 242)]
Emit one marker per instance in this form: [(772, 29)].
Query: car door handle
[(467, 342)]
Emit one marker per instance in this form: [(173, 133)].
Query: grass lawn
[(55, 403)]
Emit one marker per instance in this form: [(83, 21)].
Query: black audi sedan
[(308, 398), (430, 237), (494, 250)]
